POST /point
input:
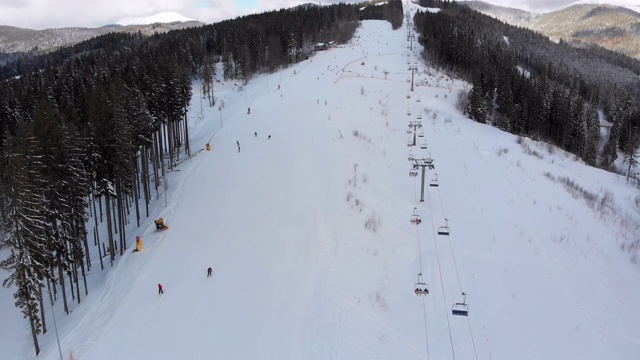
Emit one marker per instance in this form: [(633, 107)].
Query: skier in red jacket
[(160, 289)]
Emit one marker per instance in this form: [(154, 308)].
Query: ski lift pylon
[(415, 218), (420, 287), (461, 309), (444, 230)]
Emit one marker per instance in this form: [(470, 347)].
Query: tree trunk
[(44, 321), (187, 146), (62, 285), (84, 278), (136, 187), (34, 335), (112, 250)]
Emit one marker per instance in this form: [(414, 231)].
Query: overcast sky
[(43, 14)]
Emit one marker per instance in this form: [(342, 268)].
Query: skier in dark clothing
[(160, 289), (209, 271), (255, 134)]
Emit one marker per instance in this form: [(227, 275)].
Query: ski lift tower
[(424, 164), (415, 125), (413, 68)]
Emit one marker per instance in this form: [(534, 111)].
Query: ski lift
[(434, 182), (418, 98), (410, 157), (419, 116), (429, 162), (424, 145), (461, 309), (415, 218), (409, 142), (409, 131), (444, 230), (413, 172), (421, 134), (408, 112), (420, 287)]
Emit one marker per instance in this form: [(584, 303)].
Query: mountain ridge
[(613, 27), (22, 40)]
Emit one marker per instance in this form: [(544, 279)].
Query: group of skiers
[(255, 134), (209, 274)]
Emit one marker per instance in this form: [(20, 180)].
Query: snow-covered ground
[(537, 239)]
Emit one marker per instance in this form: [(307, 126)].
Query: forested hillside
[(525, 84)]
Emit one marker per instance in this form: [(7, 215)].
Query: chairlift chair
[(419, 116), (444, 230), (421, 134), (424, 145), (409, 131), (415, 218), (420, 287), (461, 309), (408, 112), (434, 182), (410, 157)]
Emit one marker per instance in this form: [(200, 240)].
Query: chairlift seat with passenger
[(420, 287), (415, 218)]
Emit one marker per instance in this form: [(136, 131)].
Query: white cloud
[(44, 14)]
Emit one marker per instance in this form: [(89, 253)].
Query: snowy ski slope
[(297, 275)]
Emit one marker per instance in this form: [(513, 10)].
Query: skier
[(160, 292), (209, 271), (255, 134), (269, 137)]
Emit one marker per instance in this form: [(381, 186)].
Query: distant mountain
[(629, 4), (19, 40), (164, 17), (613, 27)]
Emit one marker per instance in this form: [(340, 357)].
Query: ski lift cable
[(444, 297), (455, 266), (419, 249), (473, 341), (444, 216), (426, 333), (424, 305)]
